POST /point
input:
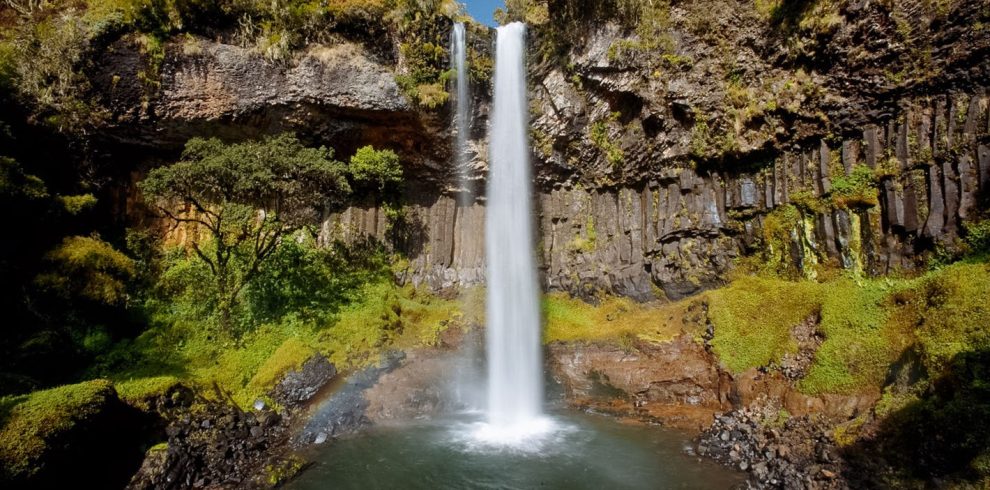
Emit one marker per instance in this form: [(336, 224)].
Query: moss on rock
[(33, 422)]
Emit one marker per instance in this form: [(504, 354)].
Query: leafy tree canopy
[(376, 168), (248, 196)]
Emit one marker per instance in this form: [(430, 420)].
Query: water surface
[(584, 452)]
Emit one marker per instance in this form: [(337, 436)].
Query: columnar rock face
[(682, 229)]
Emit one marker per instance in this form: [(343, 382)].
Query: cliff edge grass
[(387, 317), (866, 324)]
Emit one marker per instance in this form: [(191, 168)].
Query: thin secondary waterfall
[(462, 114), (515, 371)]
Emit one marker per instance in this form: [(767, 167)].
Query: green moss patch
[(860, 344), (570, 319), (141, 392), (948, 312), (34, 420), (753, 318)]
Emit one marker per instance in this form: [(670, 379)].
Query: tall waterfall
[(462, 115), (515, 368)]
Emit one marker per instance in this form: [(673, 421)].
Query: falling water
[(515, 374), (467, 373), (462, 115)]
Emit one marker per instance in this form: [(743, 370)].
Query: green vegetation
[(532, 12), (587, 242), (87, 268), (426, 75), (247, 197), (600, 137), (650, 22), (780, 228), (947, 310), (290, 356), (350, 310), (75, 205), (142, 392), (860, 345), (340, 301), (424, 60), (856, 190), (28, 423), (867, 324), (978, 237), (570, 319), (753, 318), (378, 168)]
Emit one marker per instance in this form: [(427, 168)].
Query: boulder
[(300, 385)]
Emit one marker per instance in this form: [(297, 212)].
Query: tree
[(247, 196), (376, 168)]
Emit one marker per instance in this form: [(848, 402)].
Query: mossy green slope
[(28, 423)]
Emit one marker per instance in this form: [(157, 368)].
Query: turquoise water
[(583, 451)]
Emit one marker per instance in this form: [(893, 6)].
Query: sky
[(482, 10)]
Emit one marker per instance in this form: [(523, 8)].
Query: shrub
[(856, 190), (376, 168), (77, 204), (87, 268), (978, 237)]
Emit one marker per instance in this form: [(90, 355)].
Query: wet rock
[(343, 410), (422, 386), (676, 382), (214, 445), (299, 386), (801, 455)]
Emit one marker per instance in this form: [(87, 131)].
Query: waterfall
[(515, 367), (462, 114)]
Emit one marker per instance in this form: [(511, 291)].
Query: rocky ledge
[(680, 384), (213, 443)]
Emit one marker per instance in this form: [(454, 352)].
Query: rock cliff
[(853, 134)]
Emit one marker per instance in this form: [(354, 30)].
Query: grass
[(569, 319), (867, 324), (384, 317), (31, 421), (860, 344), (753, 317)]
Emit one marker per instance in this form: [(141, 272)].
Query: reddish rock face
[(678, 372), (752, 386), (676, 383), (680, 384)]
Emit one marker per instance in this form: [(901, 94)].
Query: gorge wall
[(662, 157)]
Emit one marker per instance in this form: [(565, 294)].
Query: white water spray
[(462, 114), (515, 367)]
